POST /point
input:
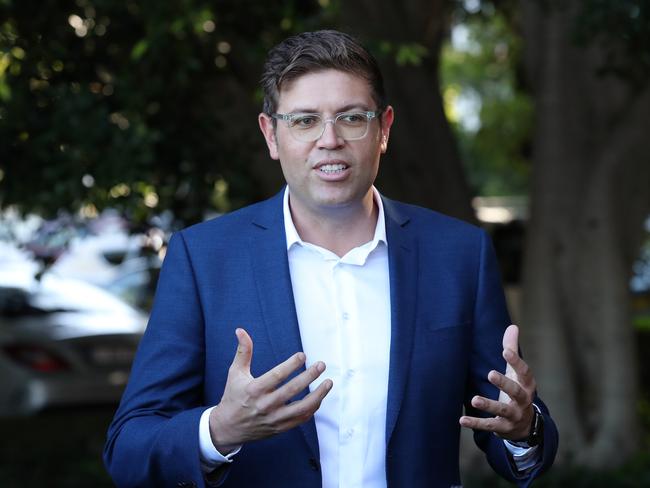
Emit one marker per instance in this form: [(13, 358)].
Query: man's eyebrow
[(354, 106), (345, 108), (303, 110)]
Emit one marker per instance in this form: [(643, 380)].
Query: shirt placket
[(351, 424)]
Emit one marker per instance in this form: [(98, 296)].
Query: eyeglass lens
[(310, 127)]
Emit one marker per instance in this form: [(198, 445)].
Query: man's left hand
[(513, 412)]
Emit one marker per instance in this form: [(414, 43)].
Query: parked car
[(137, 281), (97, 259), (63, 342)]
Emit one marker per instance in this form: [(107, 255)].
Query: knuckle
[(307, 410), (251, 389), (319, 400), (307, 413), (301, 417), (528, 397), (276, 427), (273, 428), (520, 393), (301, 410), (263, 409), (294, 389)]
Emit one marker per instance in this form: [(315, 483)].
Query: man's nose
[(329, 138)]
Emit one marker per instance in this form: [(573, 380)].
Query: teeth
[(332, 168)]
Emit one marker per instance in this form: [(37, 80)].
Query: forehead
[(326, 90)]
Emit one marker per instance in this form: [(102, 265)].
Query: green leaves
[(139, 49), (410, 54), (404, 54), (490, 113), (99, 96)]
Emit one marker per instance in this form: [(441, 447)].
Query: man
[(403, 306)]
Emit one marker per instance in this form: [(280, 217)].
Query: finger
[(302, 410), (244, 354), (519, 366), (499, 409), (273, 377), (289, 390), (513, 389), (492, 424), (511, 338)]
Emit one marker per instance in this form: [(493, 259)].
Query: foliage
[(479, 70), (135, 105), (486, 74), (404, 54), (622, 28)]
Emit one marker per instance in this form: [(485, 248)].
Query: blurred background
[(121, 121)]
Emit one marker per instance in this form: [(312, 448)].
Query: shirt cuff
[(524, 458), (211, 459)]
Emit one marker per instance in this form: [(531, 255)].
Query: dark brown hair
[(309, 52)]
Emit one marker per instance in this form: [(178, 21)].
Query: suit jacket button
[(315, 465)]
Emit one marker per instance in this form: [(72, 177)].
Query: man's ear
[(387, 118), (268, 131)]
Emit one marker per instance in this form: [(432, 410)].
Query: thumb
[(244, 354), (511, 339)]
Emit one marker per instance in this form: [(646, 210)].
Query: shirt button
[(346, 316), (350, 373), (350, 432)]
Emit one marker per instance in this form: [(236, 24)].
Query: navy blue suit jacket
[(448, 316)]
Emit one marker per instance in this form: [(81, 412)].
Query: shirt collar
[(294, 238)]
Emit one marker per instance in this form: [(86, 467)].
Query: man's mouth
[(332, 169)]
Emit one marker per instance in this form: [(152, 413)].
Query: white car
[(63, 342)]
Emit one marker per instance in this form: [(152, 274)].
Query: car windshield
[(55, 295)]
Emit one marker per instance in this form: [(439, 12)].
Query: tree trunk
[(590, 195), (422, 165)]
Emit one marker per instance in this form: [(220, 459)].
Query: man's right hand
[(255, 408)]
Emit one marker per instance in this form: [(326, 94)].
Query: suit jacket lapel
[(268, 249), (403, 269)]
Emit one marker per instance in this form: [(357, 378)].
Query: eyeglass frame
[(369, 114)]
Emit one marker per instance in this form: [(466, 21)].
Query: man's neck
[(339, 229)]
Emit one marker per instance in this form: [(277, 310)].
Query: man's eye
[(304, 121), (352, 118)]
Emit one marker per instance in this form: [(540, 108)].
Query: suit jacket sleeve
[(153, 439), (490, 317)]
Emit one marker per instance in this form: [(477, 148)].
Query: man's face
[(329, 172)]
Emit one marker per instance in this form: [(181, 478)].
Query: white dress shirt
[(343, 309)]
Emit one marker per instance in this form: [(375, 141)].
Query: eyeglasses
[(305, 127)]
